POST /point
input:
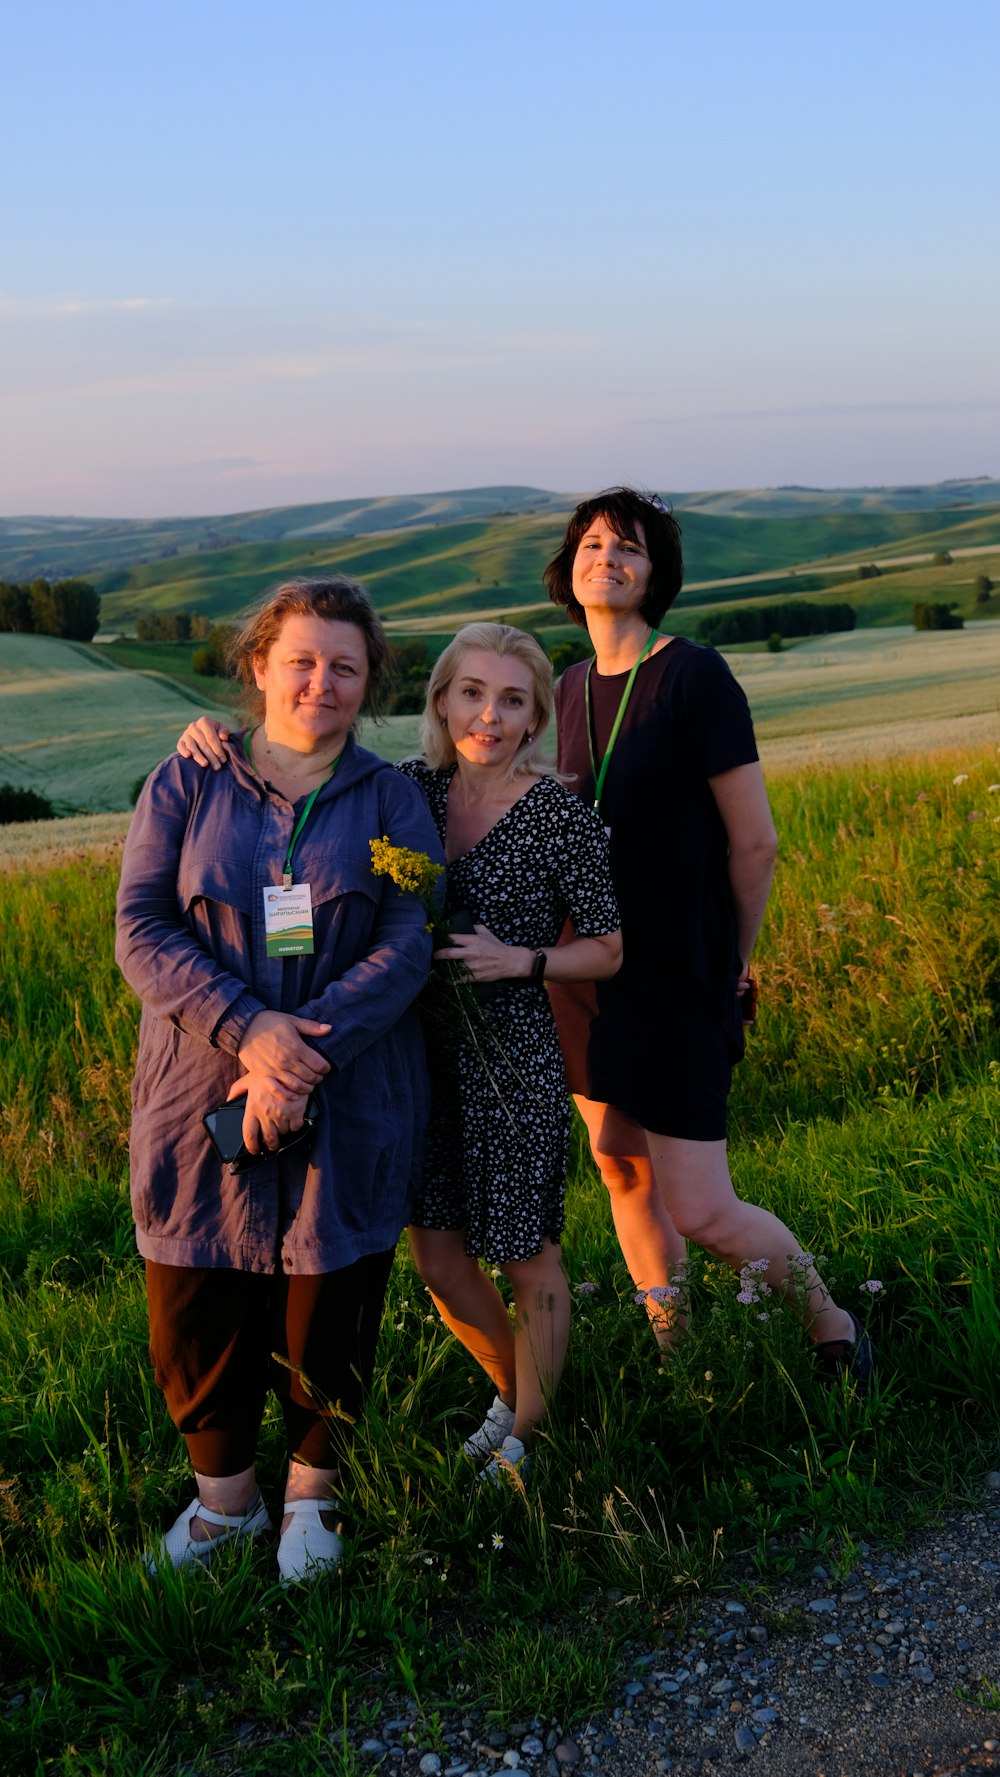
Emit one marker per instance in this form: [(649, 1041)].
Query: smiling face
[(489, 708), (313, 678), (609, 572)]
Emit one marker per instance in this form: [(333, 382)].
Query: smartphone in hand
[(225, 1131)]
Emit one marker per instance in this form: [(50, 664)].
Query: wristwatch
[(538, 966)]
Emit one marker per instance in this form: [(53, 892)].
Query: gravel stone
[(567, 1752), (891, 1693)]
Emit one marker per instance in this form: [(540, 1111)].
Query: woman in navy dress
[(656, 734)]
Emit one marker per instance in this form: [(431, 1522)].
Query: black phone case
[(225, 1132)]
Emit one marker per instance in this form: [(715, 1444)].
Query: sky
[(252, 255)]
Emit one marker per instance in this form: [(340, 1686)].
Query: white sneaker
[(307, 1549), (498, 1424), (177, 1547), (510, 1465)]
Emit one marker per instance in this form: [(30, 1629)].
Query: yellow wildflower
[(409, 870)]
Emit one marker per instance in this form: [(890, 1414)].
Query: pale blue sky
[(253, 254)]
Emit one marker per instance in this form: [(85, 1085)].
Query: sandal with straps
[(177, 1548), (307, 1549)]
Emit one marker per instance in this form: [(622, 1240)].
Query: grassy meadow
[(82, 724), (79, 730), (866, 1113)]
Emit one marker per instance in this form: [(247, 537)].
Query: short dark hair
[(622, 508), (337, 600)]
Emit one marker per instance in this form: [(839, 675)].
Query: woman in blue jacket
[(272, 963)]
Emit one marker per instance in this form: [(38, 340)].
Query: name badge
[(288, 920)]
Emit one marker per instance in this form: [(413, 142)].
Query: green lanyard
[(286, 874), (600, 775)]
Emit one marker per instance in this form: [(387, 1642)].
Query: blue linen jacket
[(201, 849)]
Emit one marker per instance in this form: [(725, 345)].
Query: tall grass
[(866, 1114)]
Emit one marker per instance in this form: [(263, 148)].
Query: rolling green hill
[(440, 576), (56, 548), (432, 559)]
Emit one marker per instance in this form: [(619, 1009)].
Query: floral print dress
[(498, 1140)]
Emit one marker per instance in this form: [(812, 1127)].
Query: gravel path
[(892, 1670)]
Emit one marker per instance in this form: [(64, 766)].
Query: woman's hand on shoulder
[(202, 741)]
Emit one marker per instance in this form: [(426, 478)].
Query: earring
[(529, 737), (443, 721)]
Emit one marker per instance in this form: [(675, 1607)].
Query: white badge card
[(288, 920)]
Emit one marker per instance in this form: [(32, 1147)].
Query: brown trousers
[(220, 1339)]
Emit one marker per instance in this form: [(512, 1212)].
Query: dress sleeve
[(581, 866), (716, 714)]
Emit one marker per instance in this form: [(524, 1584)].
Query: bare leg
[(652, 1248), (693, 1177), (541, 1300), (469, 1303)]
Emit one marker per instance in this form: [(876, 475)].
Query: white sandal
[(307, 1549), (498, 1424), (177, 1548)]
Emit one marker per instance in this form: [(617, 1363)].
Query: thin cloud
[(825, 411), (20, 311)]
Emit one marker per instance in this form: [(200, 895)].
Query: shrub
[(24, 805), (982, 585), (774, 643), (937, 617), (564, 654), (941, 559), (210, 660)]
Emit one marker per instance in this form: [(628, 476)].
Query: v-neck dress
[(498, 1142)]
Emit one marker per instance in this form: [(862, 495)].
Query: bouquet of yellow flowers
[(410, 870)]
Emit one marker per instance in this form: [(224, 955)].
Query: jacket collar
[(355, 764)]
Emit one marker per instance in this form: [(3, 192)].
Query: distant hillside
[(58, 547), (434, 560), (791, 502), (61, 546), (439, 576)]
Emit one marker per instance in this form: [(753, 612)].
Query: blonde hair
[(506, 643)]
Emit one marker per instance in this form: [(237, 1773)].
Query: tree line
[(67, 608), (757, 623), (173, 626)]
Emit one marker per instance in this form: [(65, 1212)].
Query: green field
[(78, 729), (81, 730), (866, 1114)]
